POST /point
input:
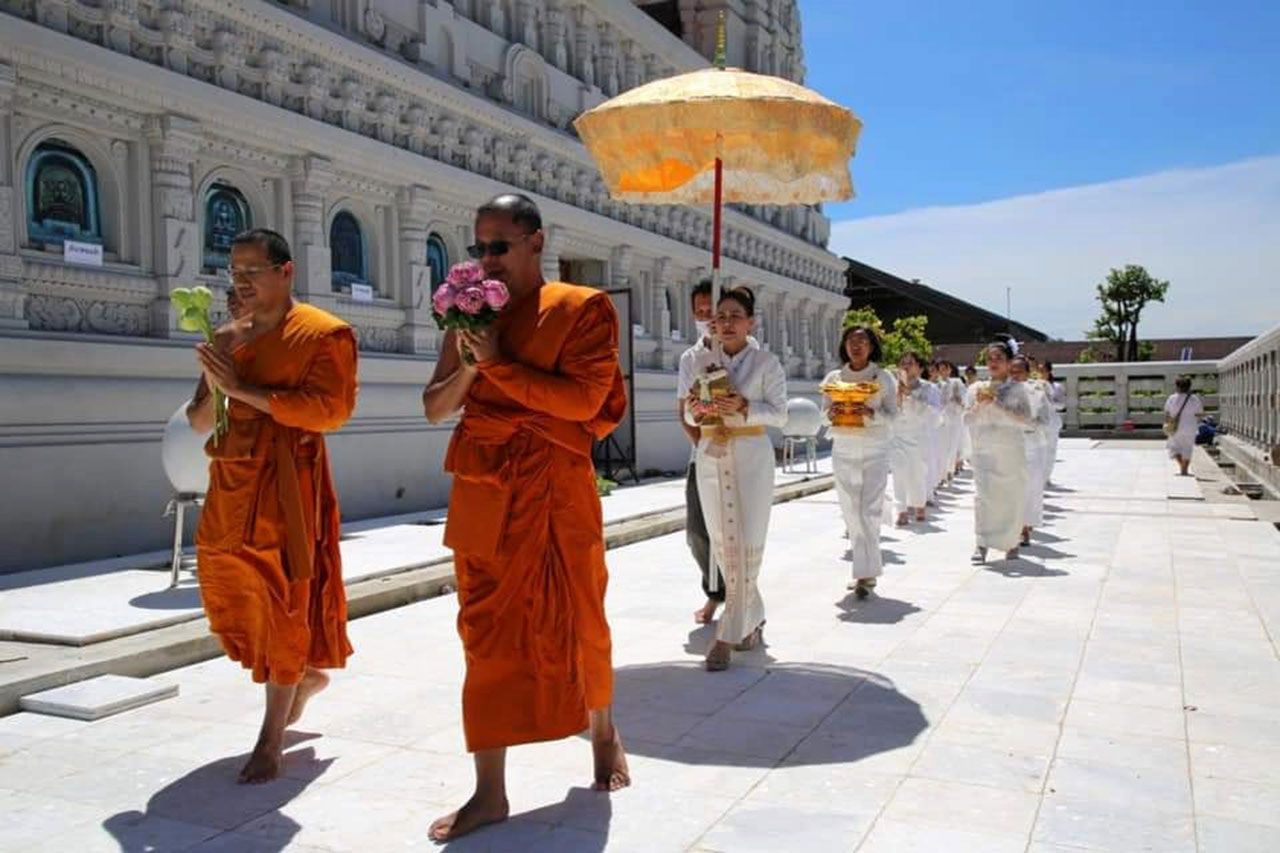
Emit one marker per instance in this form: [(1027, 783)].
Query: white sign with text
[(85, 254), (362, 292)]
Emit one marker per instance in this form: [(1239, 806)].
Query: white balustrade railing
[(1250, 391), (1129, 396)]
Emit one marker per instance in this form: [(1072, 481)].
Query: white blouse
[(757, 375)]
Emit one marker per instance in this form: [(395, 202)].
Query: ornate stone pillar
[(121, 20), (419, 333), (607, 61), (173, 143), (229, 58), (584, 47), (527, 23), (620, 262), (310, 179), (554, 48), (13, 298), (663, 292)]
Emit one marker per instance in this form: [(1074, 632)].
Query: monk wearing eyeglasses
[(267, 546), (524, 518)]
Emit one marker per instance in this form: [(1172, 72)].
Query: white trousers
[(861, 468)]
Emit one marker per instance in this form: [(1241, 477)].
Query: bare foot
[(920, 515), (312, 683), (707, 612), (263, 766), (610, 763), (903, 519), (476, 813)]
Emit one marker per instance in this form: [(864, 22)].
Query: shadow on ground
[(874, 610), (181, 598), (1021, 568), (750, 713), (210, 796)]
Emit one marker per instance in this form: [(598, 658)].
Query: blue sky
[(973, 100), (1035, 144)]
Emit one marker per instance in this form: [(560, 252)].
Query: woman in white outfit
[(912, 433), (1182, 411), (1057, 405), (996, 413), (735, 467), (952, 390), (860, 455), (1035, 437)]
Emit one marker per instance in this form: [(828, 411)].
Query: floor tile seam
[(1186, 724), (696, 843), (931, 730), (1057, 743), (1253, 602)]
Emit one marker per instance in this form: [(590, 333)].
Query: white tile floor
[(1116, 690)]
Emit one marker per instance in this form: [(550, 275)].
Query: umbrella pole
[(715, 235)]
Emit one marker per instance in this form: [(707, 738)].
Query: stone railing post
[(1121, 384), (1071, 417)]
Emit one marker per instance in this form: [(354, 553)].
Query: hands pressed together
[(727, 405), (219, 369)]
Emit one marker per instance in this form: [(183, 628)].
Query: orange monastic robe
[(525, 523), (267, 547)]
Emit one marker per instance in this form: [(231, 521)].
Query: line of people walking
[(918, 425)]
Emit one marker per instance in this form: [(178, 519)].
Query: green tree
[(908, 334), (1123, 296)]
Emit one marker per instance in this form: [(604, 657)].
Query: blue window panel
[(62, 196), (346, 251), (226, 214), (437, 260)]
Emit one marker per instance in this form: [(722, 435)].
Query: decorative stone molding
[(62, 314)]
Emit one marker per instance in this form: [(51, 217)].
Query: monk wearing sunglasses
[(524, 519)]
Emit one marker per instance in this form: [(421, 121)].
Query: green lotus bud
[(203, 297)]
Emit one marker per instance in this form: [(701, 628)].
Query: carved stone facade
[(402, 114)]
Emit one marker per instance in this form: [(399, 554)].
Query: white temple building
[(137, 136)]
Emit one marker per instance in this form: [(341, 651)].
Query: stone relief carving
[(63, 314), (377, 339)]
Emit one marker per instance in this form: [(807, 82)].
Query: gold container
[(712, 384), (842, 395)]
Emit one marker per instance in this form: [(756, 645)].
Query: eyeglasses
[(495, 248), (245, 276)]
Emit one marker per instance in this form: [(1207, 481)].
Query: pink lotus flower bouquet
[(467, 300)]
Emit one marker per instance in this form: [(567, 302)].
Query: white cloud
[(1213, 232)]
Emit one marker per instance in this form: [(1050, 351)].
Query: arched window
[(62, 196), (437, 259), (226, 214), (346, 251)]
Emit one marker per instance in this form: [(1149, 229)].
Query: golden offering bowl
[(843, 395), (712, 384)]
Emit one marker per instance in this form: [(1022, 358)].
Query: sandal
[(979, 556), (751, 640), (718, 657)]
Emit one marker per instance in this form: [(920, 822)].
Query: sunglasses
[(245, 276), (494, 248)]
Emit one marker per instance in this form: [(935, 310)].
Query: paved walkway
[(1115, 690)]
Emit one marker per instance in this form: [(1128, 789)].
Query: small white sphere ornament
[(183, 456), (804, 418)]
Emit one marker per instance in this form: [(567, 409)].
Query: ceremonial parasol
[(722, 134)]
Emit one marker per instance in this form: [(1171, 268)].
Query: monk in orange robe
[(267, 545), (525, 525)]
